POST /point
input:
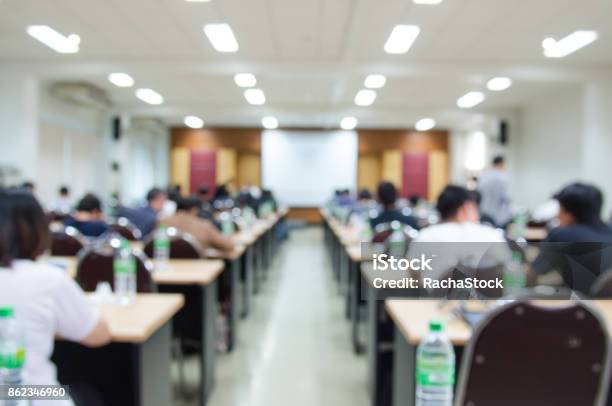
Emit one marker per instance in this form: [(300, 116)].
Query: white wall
[(77, 149), (18, 125), (547, 150)]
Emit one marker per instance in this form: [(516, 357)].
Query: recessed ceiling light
[(121, 79), (365, 97), (569, 44), (348, 123), (193, 122), (245, 79), (375, 81), (425, 124), (55, 40), (499, 83), (470, 100), (270, 123), (149, 96), (401, 39), (255, 96), (427, 2), (221, 37)]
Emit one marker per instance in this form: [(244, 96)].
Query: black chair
[(602, 288), (125, 229), (523, 354), (182, 245), (66, 241), (95, 265)]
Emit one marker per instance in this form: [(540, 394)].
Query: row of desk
[(135, 368), (394, 327)]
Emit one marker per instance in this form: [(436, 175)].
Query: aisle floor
[(294, 349)]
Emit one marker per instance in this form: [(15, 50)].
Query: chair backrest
[(66, 241), (523, 354), (125, 229), (96, 265), (182, 245), (602, 288)]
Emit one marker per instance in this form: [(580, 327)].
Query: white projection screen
[(303, 168)]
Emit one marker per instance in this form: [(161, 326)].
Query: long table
[(134, 369)]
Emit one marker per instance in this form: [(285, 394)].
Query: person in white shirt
[(494, 187), (47, 302), (63, 203), (459, 238)]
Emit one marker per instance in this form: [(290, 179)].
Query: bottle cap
[(436, 326), (7, 312)]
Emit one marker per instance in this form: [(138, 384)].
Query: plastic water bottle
[(227, 224), (12, 352), (397, 241), (161, 248), (124, 268), (514, 276), (248, 215), (435, 369)]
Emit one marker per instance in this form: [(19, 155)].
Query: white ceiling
[(310, 57)]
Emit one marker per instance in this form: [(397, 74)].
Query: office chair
[(125, 229), (523, 354), (66, 241), (95, 265), (182, 245)]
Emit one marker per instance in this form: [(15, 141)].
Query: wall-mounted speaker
[(504, 132), (116, 128)]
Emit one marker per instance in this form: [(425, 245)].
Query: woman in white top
[(46, 300)]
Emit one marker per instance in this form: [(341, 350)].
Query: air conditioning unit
[(81, 93)]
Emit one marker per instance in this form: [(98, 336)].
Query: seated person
[(145, 217), (387, 196), (580, 246), (63, 204), (205, 211), (186, 220), (88, 219), (45, 300), (459, 237)]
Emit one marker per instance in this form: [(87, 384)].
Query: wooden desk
[(135, 368), (411, 320), (197, 281)]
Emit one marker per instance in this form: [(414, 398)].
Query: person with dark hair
[(145, 217), (364, 196), (186, 220), (460, 236), (576, 247), (494, 186), (62, 204), (387, 196), (28, 186), (46, 302), (88, 219)]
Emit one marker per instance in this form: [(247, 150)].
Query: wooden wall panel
[(180, 167), (227, 164), (249, 169), (392, 167), (438, 174), (309, 215), (369, 171), (240, 139), (406, 140)]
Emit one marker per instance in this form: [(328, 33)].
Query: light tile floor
[(295, 347)]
